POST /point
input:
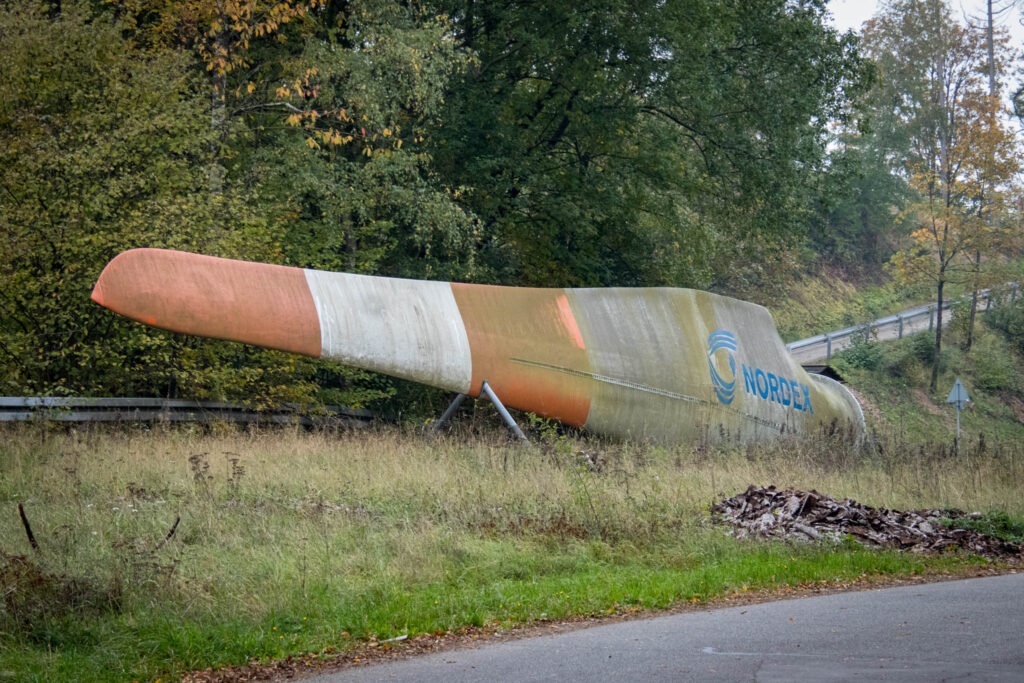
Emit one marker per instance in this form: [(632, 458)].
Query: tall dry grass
[(375, 531)]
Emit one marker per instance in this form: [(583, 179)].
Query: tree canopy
[(642, 143)]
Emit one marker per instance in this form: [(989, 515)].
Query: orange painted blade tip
[(112, 280), (255, 303)]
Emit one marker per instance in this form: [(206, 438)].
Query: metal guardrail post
[(899, 335), (931, 318), (828, 346)]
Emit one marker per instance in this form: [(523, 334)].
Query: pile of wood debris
[(809, 515)]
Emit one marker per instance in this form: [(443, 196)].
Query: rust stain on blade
[(506, 325), (255, 303)]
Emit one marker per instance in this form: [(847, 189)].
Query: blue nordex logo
[(756, 382), (718, 341)]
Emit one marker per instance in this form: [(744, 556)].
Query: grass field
[(291, 541)]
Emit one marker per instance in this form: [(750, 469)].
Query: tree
[(990, 184), (992, 192), (104, 147), (616, 143), (941, 118), (364, 98), (853, 223), (639, 143), (219, 32)]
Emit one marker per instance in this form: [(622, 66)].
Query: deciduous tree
[(103, 147), (639, 143), (944, 130)]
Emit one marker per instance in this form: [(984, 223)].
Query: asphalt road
[(957, 630)]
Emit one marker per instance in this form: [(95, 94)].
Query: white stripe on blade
[(406, 328)]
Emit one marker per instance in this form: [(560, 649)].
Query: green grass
[(292, 542), (583, 578), (993, 523)]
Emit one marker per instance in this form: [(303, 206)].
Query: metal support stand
[(447, 415), (485, 388)]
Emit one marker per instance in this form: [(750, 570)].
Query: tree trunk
[(991, 53), (984, 218), (218, 119), (351, 244), (970, 323), (938, 334), (974, 300), (218, 113)]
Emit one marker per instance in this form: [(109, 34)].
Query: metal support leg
[(900, 334), (449, 411), (486, 389), (931, 318), (828, 347)]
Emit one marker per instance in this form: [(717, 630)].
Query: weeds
[(296, 538), (993, 523), (200, 469), (32, 597)]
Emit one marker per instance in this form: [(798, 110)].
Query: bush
[(960, 319), (912, 358), (922, 346), (879, 301), (906, 364), (1009, 320), (994, 367), (993, 372), (863, 354)]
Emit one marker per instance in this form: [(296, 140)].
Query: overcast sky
[(850, 14)]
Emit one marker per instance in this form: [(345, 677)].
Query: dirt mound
[(809, 515)]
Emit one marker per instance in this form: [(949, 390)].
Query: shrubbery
[(994, 368), (863, 354), (1008, 319)]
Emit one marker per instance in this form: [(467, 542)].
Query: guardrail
[(897, 322), (25, 408)]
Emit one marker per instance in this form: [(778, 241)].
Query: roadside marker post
[(958, 396)]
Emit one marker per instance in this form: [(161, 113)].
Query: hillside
[(891, 378)]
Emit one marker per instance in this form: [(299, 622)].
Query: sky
[(850, 14)]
